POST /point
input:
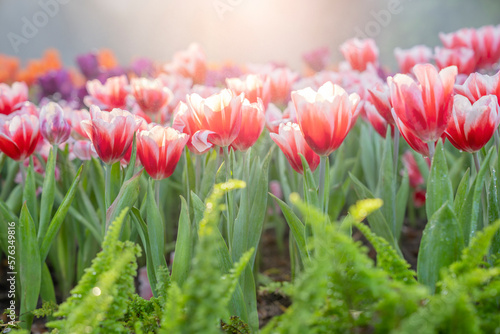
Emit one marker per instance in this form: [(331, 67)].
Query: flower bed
[(180, 169)]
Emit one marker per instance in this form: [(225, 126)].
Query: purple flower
[(56, 84), (89, 65), (143, 67), (53, 126)]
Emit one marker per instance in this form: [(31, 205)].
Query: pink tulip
[(274, 116), (478, 85), (326, 116), (463, 58), (190, 63), (252, 124), (218, 118), (378, 122), (317, 59), (473, 125), (253, 86), (160, 149), (111, 132), (19, 135), (150, 95), (291, 142), (113, 94), (419, 54), (281, 81), (83, 150), (11, 96), (424, 106), (360, 52)]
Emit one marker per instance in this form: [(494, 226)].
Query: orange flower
[(107, 59), (8, 68)]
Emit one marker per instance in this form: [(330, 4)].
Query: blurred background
[(242, 31)]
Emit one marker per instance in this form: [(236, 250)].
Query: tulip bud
[(53, 126)]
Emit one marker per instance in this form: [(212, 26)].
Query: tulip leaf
[(59, 216), (191, 173), (248, 227), (423, 167), (129, 171), (285, 177), (97, 178), (310, 187), (338, 198), (156, 229), (296, 227), (469, 214), (48, 194), (15, 199), (9, 182), (126, 198), (462, 190), (116, 180), (494, 210), (386, 186), (29, 266), (29, 193), (209, 172), (439, 188), (369, 158), (47, 291), (142, 229), (6, 216), (401, 203), (225, 263), (183, 246), (441, 245), (376, 220)]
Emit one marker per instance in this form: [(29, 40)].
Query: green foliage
[(142, 315), (342, 291), (235, 326), (103, 293), (202, 301), (47, 309)]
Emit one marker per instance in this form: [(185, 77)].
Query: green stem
[(107, 190), (483, 196), (157, 192), (23, 173), (188, 191), (197, 173), (497, 139), (395, 158), (324, 184), (432, 148), (229, 201)]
